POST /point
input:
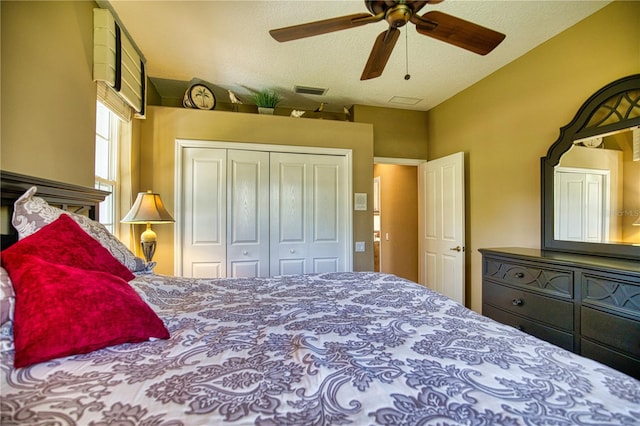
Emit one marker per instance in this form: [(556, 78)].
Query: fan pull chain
[(407, 76)]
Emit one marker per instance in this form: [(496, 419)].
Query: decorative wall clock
[(592, 142), (199, 96)]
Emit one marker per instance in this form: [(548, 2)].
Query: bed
[(353, 348)]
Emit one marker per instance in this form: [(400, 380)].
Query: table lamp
[(148, 209)]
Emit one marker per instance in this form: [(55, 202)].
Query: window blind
[(114, 101), (117, 62)]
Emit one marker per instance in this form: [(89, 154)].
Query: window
[(107, 134)]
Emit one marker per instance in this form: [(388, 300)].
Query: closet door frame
[(181, 144)]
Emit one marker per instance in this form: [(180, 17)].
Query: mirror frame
[(624, 115)]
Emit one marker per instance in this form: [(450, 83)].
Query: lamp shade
[(148, 208)]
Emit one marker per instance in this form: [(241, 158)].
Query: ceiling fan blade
[(380, 53), (456, 31), (311, 29)]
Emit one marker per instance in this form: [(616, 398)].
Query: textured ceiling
[(227, 44)]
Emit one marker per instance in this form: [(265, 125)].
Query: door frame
[(399, 162), (181, 144)]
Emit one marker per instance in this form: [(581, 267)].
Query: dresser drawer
[(620, 362), (614, 331), (554, 312), (557, 337), (611, 292), (529, 275)]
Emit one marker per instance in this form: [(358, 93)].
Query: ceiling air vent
[(306, 90), (404, 100)]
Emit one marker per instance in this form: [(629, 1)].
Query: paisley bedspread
[(324, 349)]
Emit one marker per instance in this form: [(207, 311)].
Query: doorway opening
[(396, 217)]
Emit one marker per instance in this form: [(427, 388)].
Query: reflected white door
[(308, 213), (204, 215), (581, 203), (248, 214), (441, 225)]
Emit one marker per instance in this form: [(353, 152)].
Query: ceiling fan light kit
[(435, 24)]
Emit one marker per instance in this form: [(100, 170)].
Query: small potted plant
[(266, 100)]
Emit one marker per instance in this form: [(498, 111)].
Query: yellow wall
[(397, 133), (507, 121), (48, 95), (165, 124)]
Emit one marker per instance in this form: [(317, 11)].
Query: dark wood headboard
[(75, 198)]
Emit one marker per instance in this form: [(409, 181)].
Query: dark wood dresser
[(586, 304)]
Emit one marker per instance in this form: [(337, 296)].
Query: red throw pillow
[(62, 310), (64, 242)]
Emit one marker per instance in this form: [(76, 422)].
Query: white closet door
[(308, 213), (248, 214), (204, 189)]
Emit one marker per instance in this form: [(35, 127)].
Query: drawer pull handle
[(517, 302), (519, 274)]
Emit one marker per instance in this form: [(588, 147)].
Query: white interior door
[(248, 214), (204, 213), (308, 214), (441, 225)]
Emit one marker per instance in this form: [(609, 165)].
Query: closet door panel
[(288, 218), (206, 270), (308, 213), (291, 266), (248, 214), (328, 219), (204, 212), (291, 187), (244, 269)]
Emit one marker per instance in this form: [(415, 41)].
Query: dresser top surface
[(569, 259)]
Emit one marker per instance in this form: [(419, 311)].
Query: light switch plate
[(359, 246), (360, 201)]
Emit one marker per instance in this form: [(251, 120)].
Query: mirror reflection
[(597, 190)]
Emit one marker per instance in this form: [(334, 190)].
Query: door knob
[(245, 252), (456, 248), (292, 251)]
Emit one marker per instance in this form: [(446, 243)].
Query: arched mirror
[(591, 177)]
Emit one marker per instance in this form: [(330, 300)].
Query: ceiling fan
[(438, 25)]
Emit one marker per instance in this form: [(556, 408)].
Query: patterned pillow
[(64, 242), (32, 213), (7, 304), (7, 297)]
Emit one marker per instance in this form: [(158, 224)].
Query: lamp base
[(148, 243), (148, 249)]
